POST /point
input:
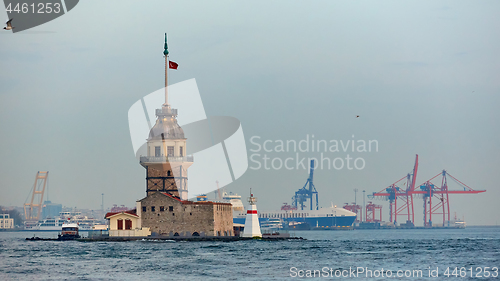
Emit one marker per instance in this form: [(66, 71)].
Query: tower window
[(181, 151), (144, 209), (171, 208), (152, 208), (162, 208), (170, 151), (157, 151)]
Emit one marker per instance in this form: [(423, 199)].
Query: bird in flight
[(357, 116), (9, 25)]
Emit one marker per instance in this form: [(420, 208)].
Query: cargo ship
[(291, 218)]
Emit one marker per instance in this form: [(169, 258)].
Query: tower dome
[(166, 126)]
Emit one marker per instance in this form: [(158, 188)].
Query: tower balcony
[(163, 159), (166, 111)]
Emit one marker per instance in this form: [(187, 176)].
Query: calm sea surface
[(331, 253)]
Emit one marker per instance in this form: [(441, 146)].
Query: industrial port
[(401, 197), (166, 210), (303, 213)]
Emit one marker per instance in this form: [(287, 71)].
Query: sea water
[(405, 254)]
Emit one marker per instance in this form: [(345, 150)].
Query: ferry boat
[(271, 225), (55, 224), (69, 231), (291, 218)]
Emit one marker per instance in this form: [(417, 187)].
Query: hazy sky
[(422, 75)]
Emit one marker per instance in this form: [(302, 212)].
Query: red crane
[(355, 209), (428, 191), (372, 211), (396, 192)]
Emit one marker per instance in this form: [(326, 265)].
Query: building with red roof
[(126, 223)]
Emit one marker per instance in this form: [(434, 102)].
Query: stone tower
[(166, 162)]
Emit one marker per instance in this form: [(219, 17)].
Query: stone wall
[(165, 215), (223, 219)]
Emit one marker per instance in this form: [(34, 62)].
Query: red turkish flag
[(172, 65)]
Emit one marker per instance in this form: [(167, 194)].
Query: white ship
[(271, 225), (55, 224)]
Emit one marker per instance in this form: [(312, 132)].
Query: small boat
[(298, 225), (273, 228), (69, 231), (271, 224), (460, 224)]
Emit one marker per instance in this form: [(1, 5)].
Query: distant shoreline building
[(6, 222), (50, 210)]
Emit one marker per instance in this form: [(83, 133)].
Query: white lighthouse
[(252, 226)]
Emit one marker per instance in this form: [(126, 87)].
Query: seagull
[(9, 25)]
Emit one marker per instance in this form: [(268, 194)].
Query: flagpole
[(166, 80), (165, 53)]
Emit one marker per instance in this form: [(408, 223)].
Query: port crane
[(404, 192), (440, 194), (307, 192), (400, 197), (355, 209), (373, 212), (33, 209)]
